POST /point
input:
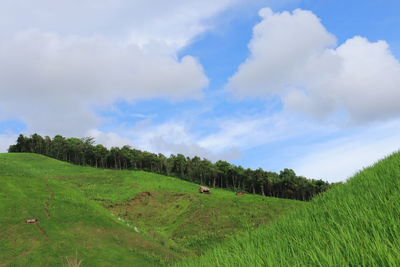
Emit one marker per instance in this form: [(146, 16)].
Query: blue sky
[(309, 85)]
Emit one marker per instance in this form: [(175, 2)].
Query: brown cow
[(204, 190)]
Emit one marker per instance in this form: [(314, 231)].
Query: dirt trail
[(46, 206), (42, 231), (47, 201)]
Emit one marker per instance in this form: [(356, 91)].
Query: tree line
[(84, 151)]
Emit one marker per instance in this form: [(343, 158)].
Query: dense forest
[(221, 174)]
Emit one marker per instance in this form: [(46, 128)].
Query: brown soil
[(46, 206), (45, 209), (42, 231), (125, 207), (138, 199), (155, 200), (99, 199), (150, 198)]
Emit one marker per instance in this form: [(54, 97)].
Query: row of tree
[(220, 174)]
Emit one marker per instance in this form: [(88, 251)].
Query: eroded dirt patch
[(151, 209), (151, 202)]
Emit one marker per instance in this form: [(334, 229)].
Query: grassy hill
[(115, 218), (355, 224)]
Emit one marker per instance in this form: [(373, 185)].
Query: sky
[(309, 85)]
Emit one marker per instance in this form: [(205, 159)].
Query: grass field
[(355, 224), (96, 212)]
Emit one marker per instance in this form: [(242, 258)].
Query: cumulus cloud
[(279, 47), (295, 57), (60, 59), (50, 82)]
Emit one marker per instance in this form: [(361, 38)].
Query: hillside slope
[(355, 224), (114, 218)]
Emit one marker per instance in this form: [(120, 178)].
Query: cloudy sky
[(304, 84)]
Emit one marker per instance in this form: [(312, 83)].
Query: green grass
[(93, 213), (355, 224)]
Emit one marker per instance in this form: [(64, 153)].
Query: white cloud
[(293, 56), (320, 150), (313, 149), (281, 43), (340, 158), (243, 132), (6, 140), (59, 59), (49, 82), (226, 137), (246, 132), (109, 139), (192, 149), (171, 23), (169, 137)]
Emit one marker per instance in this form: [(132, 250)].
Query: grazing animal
[(204, 190), (32, 221)]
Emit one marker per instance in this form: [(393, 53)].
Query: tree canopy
[(222, 174)]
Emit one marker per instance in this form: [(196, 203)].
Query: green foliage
[(353, 224), (221, 174), (95, 212)]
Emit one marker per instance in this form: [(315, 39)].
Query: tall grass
[(72, 262), (355, 224)]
